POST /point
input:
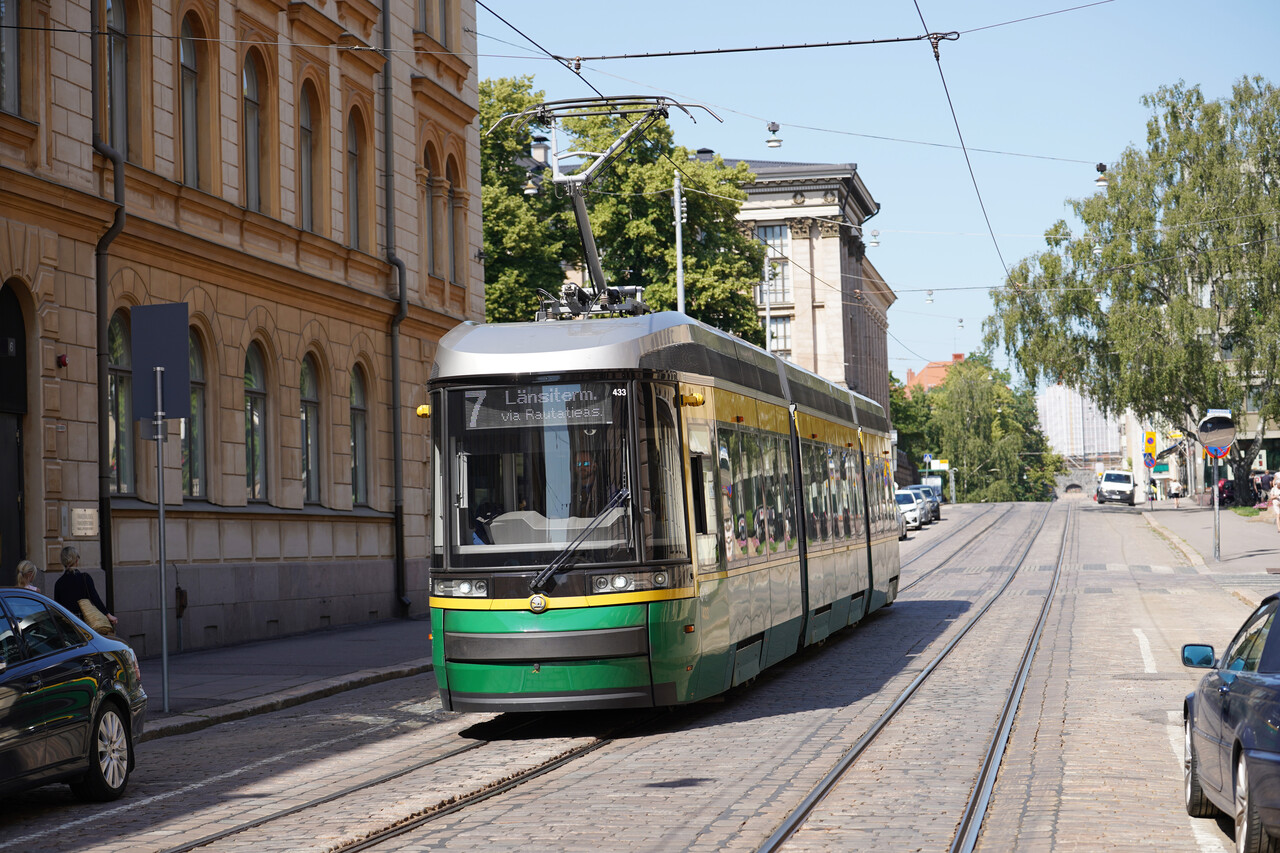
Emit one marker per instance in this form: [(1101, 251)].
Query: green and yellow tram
[(643, 511)]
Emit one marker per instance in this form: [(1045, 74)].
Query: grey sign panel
[(159, 335)]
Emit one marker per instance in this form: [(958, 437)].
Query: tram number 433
[(619, 392)]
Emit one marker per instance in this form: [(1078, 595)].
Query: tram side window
[(727, 448), (855, 494), (662, 499), (753, 494), (817, 493), (785, 521)]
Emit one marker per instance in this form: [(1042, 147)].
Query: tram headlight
[(461, 587), (630, 581)]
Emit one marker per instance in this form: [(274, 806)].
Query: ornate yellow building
[(305, 177)]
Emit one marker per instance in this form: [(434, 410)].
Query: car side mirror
[(1198, 656)]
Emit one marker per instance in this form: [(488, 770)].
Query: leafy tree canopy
[(630, 207), (526, 237), (1168, 301), (990, 435)]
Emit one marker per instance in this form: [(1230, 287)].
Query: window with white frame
[(780, 336), (777, 266)]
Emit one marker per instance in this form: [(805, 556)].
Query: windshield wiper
[(540, 579)]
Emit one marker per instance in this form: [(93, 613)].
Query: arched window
[(359, 439), (308, 135), (189, 55), (309, 392), (120, 402), (253, 150), (118, 76), (255, 424), (356, 212), (194, 482), (10, 59)]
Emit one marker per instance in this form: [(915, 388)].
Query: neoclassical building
[(305, 177), (824, 302)]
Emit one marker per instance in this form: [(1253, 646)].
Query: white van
[(1116, 487)]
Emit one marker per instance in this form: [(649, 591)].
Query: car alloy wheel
[(1198, 805), (109, 752), (1250, 836)]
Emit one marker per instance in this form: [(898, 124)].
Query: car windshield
[(533, 466), (907, 499), (1117, 478)]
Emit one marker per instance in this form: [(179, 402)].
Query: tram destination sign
[(540, 406)]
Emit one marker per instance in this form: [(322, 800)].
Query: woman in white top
[(1274, 497), (27, 576)]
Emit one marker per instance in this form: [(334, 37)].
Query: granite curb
[(177, 724), (1192, 555)]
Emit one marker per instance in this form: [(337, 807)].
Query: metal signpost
[(161, 345), (1216, 432)]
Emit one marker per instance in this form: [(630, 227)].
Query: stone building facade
[(826, 304), (305, 177)]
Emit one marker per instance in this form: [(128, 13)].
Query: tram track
[(969, 826), (505, 729), (959, 549)]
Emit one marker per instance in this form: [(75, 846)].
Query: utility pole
[(677, 202)]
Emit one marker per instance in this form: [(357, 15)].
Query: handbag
[(95, 618)]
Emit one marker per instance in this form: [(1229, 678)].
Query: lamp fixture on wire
[(774, 141), (928, 297), (874, 241), (530, 187), (1101, 181)]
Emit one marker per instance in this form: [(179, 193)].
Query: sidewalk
[(216, 685), (1245, 545)]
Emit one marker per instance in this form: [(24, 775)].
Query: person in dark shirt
[(75, 585)]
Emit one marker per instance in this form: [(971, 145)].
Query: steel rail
[(373, 839), (819, 792), (965, 544), (337, 795), (966, 837)]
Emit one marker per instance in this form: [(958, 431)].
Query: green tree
[(911, 418), (526, 237), (530, 240), (633, 219), (990, 435), (1168, 303)]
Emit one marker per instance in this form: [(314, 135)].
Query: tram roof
[(665, 340)]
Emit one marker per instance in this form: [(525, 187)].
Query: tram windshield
[(534, 465)]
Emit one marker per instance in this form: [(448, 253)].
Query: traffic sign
[(1217, 452), (928, 460), (1148, 460)]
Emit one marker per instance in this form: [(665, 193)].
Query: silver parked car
[(930, 499), (913, 508)]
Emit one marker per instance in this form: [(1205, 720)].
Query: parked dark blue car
[(71, 701), (1231, 759)]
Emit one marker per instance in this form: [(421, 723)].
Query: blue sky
[(1058, 93)]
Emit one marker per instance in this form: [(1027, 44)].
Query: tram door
[(13, 405)]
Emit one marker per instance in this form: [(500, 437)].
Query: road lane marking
[(1148, 660), (1207, 840)]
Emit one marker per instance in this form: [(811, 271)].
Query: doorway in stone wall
[(13, 406)]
